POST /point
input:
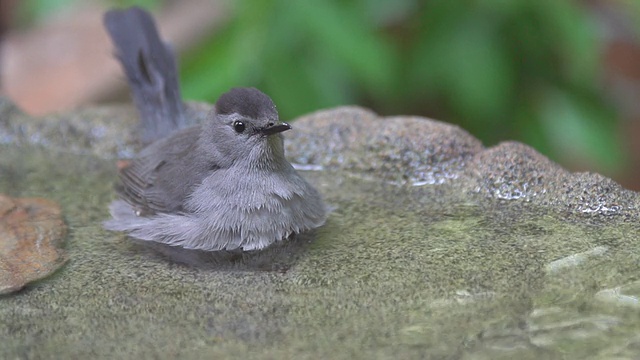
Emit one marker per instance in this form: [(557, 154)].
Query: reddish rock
[(31, 233)]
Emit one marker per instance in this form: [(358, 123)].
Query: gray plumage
[(151, 70), (212, 187), (223, 185)]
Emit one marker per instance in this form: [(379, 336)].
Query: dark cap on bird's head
[(248, 102), (251, 103)]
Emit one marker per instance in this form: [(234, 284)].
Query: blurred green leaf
[(212, 70), (385, 12), (479, 75), (575, 39), (294, 90), (490, 65), (503, 69), (147, 4), (580, 131), (631, 8), (346, 34), (34, 10), (471, 67)]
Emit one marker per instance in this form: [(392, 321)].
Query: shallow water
[(397, 272)]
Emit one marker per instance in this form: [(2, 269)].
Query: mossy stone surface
[(447, 269)]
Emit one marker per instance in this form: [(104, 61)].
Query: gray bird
[(222, 185)]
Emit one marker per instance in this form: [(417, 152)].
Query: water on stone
[(397, 272)]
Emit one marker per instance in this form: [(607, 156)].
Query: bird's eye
[(238, 126)]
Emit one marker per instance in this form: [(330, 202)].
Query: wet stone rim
[(403, 150)]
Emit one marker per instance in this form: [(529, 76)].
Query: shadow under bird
[(222, 185)]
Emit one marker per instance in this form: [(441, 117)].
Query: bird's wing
[(160, 178), (137, 185)]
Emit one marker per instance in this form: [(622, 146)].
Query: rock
[(31, 233), (401, 149), (420, 151), (512, 171), (110, 134), (436, 247)]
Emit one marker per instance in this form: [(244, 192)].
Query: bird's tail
[(151, 71)]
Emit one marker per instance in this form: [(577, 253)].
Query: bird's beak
[(277, 128)]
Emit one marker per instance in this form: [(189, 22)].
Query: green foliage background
[(502, 69)]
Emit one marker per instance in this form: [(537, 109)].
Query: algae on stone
[(513, 257)]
